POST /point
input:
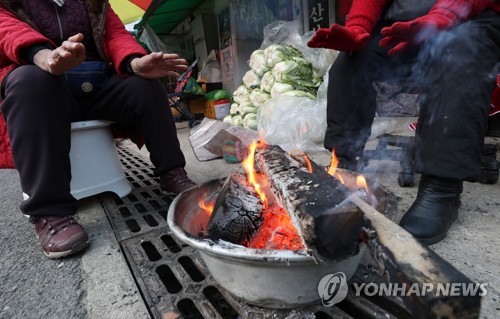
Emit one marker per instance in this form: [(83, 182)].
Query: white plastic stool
[(95, 166)]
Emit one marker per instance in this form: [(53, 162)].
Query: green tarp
[(164, 15)]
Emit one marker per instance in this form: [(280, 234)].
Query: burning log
[(335, 220), (315, 202), (237, 212)]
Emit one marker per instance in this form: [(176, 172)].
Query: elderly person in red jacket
[(41, 43), (449, 49)]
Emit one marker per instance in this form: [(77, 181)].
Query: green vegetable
[(251, 80), (293, 70), (249, 110), (259, 97), (267, 81), (246, 107), (251, 124), (258, 62), (238, 120), (228, 119), (276, 53), (250, 121), (300, 94), (218, 95), (279, 88), (241, 94), (235, 108)]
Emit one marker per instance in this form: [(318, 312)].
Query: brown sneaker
[(60, 236), (175, 182)]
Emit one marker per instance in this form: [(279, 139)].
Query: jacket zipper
[(61, 33)]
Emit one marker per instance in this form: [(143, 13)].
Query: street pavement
[(98, 283)]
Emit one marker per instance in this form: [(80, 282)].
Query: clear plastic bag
[(211, 69), (206, 133), (295, 123)]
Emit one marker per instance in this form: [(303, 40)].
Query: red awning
[(143, 4)]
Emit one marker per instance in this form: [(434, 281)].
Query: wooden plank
[(404, 260), (334, 220)]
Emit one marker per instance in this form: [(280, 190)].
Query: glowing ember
[(277, 232)]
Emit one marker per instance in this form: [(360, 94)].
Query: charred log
[(335, 220), (316, 202), (404, 260), (237, 213)]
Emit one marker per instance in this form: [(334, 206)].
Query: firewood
[(237, 212), (329, 226), (399, 256), (404, 260), (334, 221)]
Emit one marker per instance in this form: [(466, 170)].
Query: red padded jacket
[(18, 32)]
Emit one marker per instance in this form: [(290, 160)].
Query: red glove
[(360, 22), (340, 38), (443, 16)]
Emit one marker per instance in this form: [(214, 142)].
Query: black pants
[(454, 73), (39, 109)]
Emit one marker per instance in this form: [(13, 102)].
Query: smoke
[(446, 65)]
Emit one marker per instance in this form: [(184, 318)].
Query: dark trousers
[(39, 109), (454, 74)]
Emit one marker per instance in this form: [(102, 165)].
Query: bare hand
[(157, 64), (71, 53)]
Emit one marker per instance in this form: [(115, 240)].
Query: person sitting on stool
[(42, 43)]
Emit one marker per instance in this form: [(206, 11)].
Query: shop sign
[(318, 14)]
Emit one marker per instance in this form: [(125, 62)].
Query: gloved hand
[(361, 20), (340, 38), (401, 35)]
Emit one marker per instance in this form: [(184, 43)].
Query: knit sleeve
[(365, 13), (460, 10)]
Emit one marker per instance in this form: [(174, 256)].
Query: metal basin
[(266, 278)]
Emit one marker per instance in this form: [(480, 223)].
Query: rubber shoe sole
[(438, 238), (78, 247)]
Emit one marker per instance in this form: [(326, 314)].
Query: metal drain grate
[(173, 278), (142, 211)]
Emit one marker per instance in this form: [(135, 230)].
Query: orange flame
[(261, 136), (308, 162), (248, 165), (332, 170), (207, 206), (340, 178), (361, 183), (333, 165)]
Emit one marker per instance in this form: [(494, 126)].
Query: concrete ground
[(99, 284)]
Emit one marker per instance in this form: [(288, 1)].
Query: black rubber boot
[(434, 211)]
